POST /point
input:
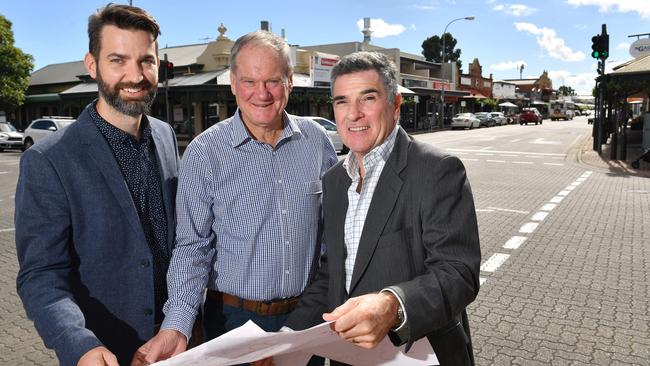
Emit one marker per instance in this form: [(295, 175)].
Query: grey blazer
[(420, 238), (86, 276)]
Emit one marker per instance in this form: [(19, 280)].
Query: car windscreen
[(6, 127), (65, 124)]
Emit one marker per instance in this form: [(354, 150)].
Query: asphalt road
[(566, 252)]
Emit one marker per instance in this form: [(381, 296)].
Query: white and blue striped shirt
[(247, 215)]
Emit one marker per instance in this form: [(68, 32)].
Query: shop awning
[(36, 98), (508, 105), (405, 91)]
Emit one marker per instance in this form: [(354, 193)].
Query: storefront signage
[(641, 47)]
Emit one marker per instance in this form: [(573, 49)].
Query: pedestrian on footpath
[(249, 207), (95, 205), (402, 240)]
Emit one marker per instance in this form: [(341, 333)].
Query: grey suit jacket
[(86, 276), (420, 237)]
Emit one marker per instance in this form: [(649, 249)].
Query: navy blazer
[(86, 273), (420, 238)]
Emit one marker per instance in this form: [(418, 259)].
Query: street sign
[(641, 47)]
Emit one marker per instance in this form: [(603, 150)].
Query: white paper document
[(250, 343)]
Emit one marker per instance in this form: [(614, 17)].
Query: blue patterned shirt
[(248, 215)]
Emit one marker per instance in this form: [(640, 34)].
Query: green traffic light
[(595, 54)]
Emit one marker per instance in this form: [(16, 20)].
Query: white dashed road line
[(497, 259), (508, 210)]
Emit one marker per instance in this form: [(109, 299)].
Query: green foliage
[(15, 68), (566, 90), (432, 49), (489, 104)]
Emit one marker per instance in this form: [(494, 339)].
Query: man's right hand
[(98, 356), (165, 344)]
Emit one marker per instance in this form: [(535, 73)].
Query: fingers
[(110, 359), (265, 362)]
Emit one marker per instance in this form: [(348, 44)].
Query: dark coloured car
[(486, 119)]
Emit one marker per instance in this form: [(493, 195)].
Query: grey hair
[(364, 61), (262, 38)]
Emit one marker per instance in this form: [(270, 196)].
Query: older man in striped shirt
[(249, 207)]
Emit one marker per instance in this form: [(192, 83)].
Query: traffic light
[(595, 46), (600, 46), (165, 71)]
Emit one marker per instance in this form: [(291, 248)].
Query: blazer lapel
[(101, 154), (381, 205), (165, 159), (335, 208)]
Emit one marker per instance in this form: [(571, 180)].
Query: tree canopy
[(15, 67), (566, 90), (432, 49)]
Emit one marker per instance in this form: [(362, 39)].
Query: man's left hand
[(365, 320)]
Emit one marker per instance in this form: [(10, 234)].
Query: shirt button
[(148, 311), (144, 263)]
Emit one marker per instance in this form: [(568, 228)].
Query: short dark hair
[(123, 17), (364, 61), (262, 38)]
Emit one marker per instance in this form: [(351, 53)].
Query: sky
[(550, 35)]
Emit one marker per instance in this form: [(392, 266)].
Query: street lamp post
[(442, 92)]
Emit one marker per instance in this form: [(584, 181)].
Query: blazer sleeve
[(313, 301), (43, 241), (448, 281)]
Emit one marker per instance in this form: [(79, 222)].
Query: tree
[(566, 90), (15, 67), (432, 49)]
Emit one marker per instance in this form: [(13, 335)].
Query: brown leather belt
[(273, 307)]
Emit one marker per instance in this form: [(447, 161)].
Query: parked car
[(465, 120), (10, 137), (44, 127), (500, 118), (330, 128), (530, 115), (486, 119)]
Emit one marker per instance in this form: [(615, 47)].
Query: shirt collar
[(241, 135), (116, 135), (378, 154)]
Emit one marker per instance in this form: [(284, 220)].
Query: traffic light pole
[(166, 84)]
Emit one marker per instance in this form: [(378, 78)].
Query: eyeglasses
[(271, 84)]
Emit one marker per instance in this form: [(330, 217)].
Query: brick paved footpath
[(576, 292)]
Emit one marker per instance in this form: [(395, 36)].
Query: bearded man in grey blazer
[(400, 227)]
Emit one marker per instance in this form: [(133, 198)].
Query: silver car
[(10, 138), (330, 128), (465, 120), (44, 127), (500, 118)]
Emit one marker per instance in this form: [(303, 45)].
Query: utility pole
[(166, 85)]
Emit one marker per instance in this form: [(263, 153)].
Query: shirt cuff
[(401, 305), (180, 320)]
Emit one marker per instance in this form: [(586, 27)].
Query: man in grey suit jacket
[(95, 206), (400, 227)]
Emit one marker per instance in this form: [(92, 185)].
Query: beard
[(132, 108)]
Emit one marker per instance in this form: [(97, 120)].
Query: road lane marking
[(548, 207), (467, 159), (539, 216), (507, 152), (485, 154), (514, 242), (564, 193), (508, 155), (4, 172), (555, 164), (528, 228), (534, 157), (7, 230), (569, 188), (522, 162), (515, 140), (576, 183), (581, 179), (495, 161), (495, 261), (482, 280), (556, 199), (508, 210)]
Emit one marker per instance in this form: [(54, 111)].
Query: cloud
[(413, 27), (580, 26), (549, 41), (381, 29), (623, 46), (582, 83), (517, 10), (642, 7), (424, 7), (508, 65)]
